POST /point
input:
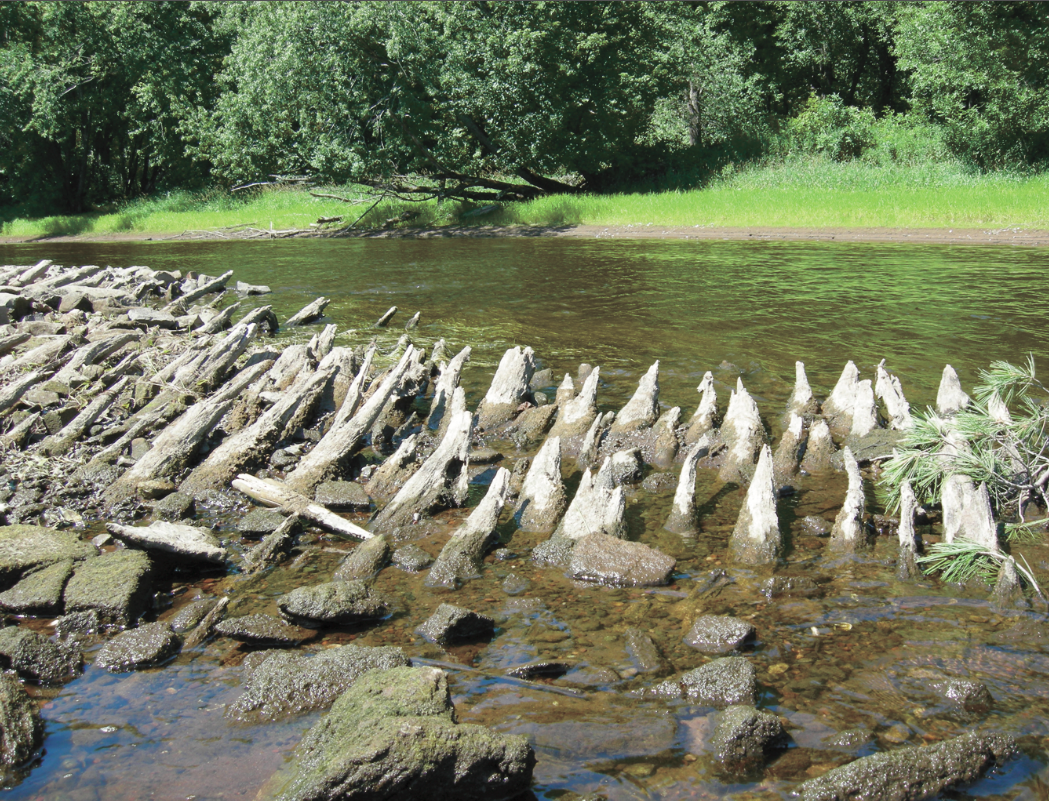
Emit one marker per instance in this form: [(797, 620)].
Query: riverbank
[(802, 200), (933, 236)]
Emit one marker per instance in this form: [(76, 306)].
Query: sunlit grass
[(795, 194)]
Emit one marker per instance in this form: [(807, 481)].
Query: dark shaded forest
[(105, 102)]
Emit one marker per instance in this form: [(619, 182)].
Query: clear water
[(858, 658)]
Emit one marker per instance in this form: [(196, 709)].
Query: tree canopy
[(495, 100)]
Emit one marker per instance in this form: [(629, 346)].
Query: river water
[(849, 671)]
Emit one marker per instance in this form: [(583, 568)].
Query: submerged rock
[(720, 634), (36, 658), (117, 585), (791, 587), (259, 522), (263, 630), (148, 645), (756, 538), (343, 495), (910, 774), (290, 683), (743, 735), (450, 624), (38, 593), (972, 696), (411, 558), (393, 735), (21, 729), (336, 603), (608, 560), (721, 682), (642, 651), (365, 561)]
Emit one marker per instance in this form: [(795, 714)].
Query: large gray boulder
[(743, 735), (25, 548), (911, 774), (335, 603), (34, 657), (21, 729), (117, 585), (290, 683), (38, 593), (149, 645), (608, 560), (393, 736)]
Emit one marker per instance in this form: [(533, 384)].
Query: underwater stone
[(608, 560), (719, 634), (743, 734), (263, 630), (148, 645), (450, 624), (335, 603)]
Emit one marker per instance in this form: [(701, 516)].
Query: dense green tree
[(94, 94), (981, 71)]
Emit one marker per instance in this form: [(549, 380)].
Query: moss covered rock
[(117, 585), (393, 736), (25, 548)]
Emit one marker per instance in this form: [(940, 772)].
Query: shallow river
[(849, 670)]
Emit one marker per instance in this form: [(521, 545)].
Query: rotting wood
[(273, 493), (308, 313)]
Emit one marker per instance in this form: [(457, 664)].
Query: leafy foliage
[(484, 101)]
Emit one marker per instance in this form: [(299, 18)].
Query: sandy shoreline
[(940, 236)]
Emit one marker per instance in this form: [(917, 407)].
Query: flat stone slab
[(719, 634), (175, 539), (288, 683), (117, 585), (39, 593), (24, 548), (148, 645), (607, 560), (263, 630), (336, 603), (452, 624), (342, 495)]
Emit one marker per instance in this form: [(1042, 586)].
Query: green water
[(857, 659)]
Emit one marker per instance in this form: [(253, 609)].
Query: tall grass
[(809, 193)]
